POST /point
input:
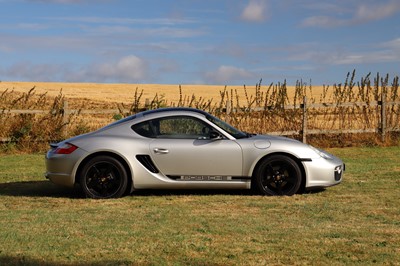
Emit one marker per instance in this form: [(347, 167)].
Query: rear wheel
[(103, 177), (278, 175)]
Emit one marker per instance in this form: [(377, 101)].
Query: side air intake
[(146, 161)]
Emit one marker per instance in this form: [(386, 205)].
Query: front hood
[(274, 138), (284, 144)]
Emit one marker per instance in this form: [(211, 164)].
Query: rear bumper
[(61, 168), (60, 179)]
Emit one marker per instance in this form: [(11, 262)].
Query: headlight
[(322, 153)]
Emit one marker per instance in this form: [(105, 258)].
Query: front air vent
[(146, 161)]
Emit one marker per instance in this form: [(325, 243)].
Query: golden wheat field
[(124, 93)]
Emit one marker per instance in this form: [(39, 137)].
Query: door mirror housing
[(215, 135)]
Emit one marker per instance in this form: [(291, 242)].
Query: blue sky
[(224, 42)]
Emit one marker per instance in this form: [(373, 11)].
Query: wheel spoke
[(96, 169), (268, 177)]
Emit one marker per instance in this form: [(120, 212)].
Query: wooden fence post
[(147, 104), (383, 115), (228, 111), (304, 129)]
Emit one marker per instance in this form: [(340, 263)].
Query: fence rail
[(381, 129)]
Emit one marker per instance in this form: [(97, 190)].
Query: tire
[(278, 175), (103, 177)]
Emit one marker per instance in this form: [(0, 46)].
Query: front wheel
[(278, 175), (103, 177)]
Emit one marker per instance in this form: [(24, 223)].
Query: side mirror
[(215, 136)]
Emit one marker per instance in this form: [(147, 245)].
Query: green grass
[(357, 222)]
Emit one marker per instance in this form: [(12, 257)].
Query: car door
[(183, 147)]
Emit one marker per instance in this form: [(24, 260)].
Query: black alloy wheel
[(278, 175), (103, 177)]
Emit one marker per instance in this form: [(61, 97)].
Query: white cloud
[(393, 44), (126, 20), (385, 52), (127, 69), (123, 30), (363, 13), (255, 11), (59, 1), (227, 74), (33, 72), (332, 54), (376, 12), (5, 48), (374, 57), (131, 67), (323, 22)]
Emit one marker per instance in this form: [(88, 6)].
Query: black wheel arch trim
[(111, 154)]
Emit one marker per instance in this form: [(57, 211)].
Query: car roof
[(171, 109), (155, 111)]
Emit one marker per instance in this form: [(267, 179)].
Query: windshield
[(228, 128)]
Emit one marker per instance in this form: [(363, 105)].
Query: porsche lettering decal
[(205, 178)]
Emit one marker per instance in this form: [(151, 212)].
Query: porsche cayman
[(186, 148)]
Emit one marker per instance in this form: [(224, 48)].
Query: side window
[(175, 127), (182, 127), (143, 129)]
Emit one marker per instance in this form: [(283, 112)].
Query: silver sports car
[(185, 148)]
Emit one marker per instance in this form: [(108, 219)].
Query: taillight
[(65, 148)]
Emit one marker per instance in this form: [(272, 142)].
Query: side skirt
[(209, 178)]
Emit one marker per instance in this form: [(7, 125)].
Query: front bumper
[(323, 172)]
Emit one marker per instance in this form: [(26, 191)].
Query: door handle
[(160, 151)]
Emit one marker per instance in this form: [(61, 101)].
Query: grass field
[(356, 223)]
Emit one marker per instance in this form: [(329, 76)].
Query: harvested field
[(124, 93)]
